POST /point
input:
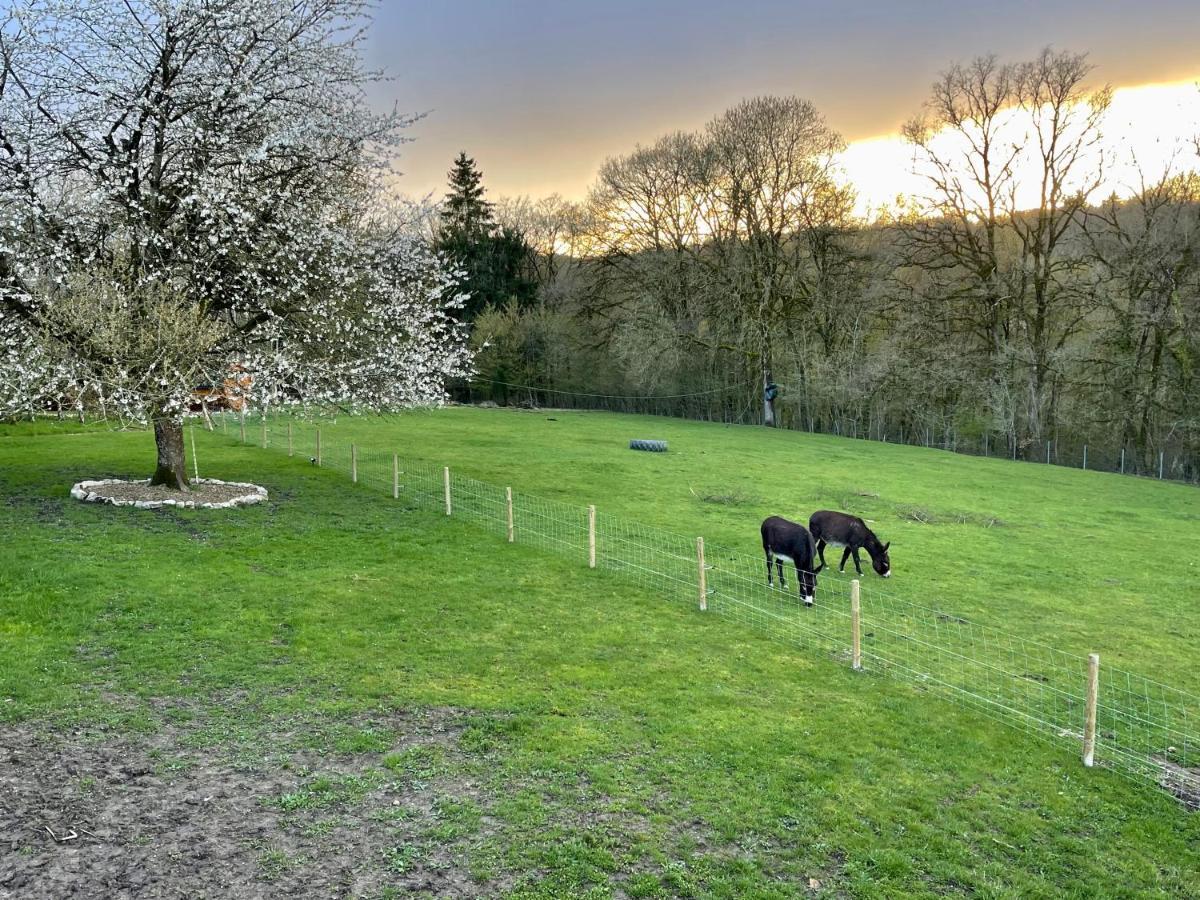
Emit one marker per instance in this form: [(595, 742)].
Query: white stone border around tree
[(92, 492)]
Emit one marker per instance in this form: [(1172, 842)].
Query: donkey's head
[(879, 559)]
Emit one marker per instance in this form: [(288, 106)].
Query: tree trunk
[(768, 403), (172, 464), (764, 339)]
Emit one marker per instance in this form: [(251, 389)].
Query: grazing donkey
[(785, 541), (851, 532)]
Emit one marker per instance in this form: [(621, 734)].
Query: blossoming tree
[(190, 185)]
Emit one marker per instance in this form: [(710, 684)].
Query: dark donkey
[(785, 541), (851, 532)]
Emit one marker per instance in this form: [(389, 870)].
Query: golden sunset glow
[(1149, 129)]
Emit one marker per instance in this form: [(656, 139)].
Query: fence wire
[(1144, 729)]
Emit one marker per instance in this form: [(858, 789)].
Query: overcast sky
[(540, 92)]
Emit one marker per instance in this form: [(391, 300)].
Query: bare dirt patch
[(175, 798), (206, 808), (1182, 782)]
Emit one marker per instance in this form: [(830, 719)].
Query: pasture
[(352, 695)]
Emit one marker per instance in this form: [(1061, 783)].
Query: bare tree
[(1146, 252), (733, 232), (770, 200), (1011, 154), (553, 227)]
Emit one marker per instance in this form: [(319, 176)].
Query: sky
[(539, 93)]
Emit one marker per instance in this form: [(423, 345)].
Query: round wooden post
[(446, 483), (591, 537), (855, 625), (1089, 725), (1160, 464), (318, 447), (1122, 460), (508, 514), (195, 459), (242, 422), (289, 438), (1085, 456), (395, 476), (702, 576), (354, 463)]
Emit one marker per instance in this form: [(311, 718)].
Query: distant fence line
[(737, 404), (1139, 727)]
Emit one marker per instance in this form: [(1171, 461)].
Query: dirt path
[(207, 807)]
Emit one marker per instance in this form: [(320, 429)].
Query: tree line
[(1009, 302)]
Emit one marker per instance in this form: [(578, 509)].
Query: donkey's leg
[(845, 556), (857, 562), (768, 568), (779, 570), (821, 549)]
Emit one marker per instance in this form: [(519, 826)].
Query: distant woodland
[(707, 266)]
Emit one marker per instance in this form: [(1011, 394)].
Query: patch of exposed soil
[(1182, 782), (202, 492), (232, 799), (202, 809)]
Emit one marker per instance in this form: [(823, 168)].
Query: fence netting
[(1144, 729)]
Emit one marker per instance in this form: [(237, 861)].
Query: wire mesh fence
[(1142, 728)]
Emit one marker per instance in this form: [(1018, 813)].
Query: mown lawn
[(614, 743)]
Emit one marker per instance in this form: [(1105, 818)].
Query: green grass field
[(614, 743), (1087, 561)]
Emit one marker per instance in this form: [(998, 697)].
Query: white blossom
[(189, 186)]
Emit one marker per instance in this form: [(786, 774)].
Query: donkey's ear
[(885, 546), (818, 569)]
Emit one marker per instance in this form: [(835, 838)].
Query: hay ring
[(652, 446)]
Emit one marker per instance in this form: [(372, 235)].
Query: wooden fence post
[(354, 463), (855, 625), (702, 575), (224, 421), (289, 438), (508, 513), (395, 476), (243, 424), (318, 448), (1085, 457), (591, 537), (446, 483), (264, 434), (195, 459), (1089, 725), (1122, 460), (1160, 464)]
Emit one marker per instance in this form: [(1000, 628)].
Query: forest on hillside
[(1013, 307)]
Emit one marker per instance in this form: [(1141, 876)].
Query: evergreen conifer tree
[(497, 262), (464, 208)]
